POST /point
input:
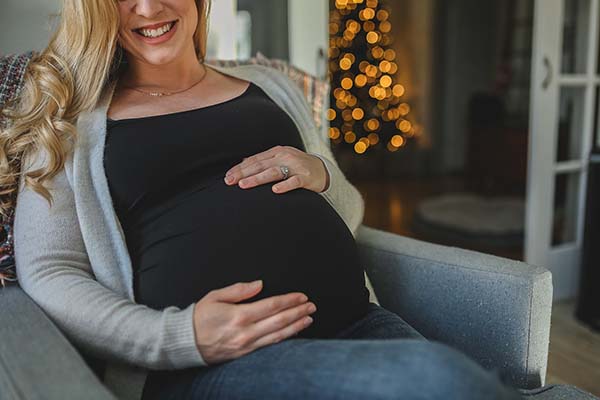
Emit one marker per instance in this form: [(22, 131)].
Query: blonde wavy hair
[(64, 80)]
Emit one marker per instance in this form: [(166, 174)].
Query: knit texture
[(72, 259)]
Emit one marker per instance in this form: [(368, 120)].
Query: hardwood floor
[(574, 354), (390, 205)]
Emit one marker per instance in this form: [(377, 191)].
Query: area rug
[(469, 218)]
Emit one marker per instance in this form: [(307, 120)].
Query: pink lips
[(155, 26), (160, 39)]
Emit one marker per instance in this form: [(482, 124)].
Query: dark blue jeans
[(378, 357)]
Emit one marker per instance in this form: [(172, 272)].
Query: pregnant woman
[(187, 226), (176, 209)]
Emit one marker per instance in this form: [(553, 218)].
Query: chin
[(158, 57)]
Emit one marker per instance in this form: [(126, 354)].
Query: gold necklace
[(160, 94)]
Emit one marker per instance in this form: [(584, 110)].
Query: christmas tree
[(367, 110)]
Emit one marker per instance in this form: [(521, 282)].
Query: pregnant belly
[(219, 235)]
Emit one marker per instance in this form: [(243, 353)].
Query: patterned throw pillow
[(12, 69)]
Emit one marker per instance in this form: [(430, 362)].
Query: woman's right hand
[(225, 330)]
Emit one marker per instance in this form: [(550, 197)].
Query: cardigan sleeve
[(53, 268), (341, 194)]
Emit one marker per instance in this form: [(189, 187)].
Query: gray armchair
[(495, 310)]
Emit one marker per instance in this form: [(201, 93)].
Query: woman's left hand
[(305, 170)]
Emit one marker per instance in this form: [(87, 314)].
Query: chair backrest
[(12, 70)]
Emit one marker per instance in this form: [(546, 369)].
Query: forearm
[(54, 269)]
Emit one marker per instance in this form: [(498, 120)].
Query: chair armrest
[(36, 359), (495, 310)]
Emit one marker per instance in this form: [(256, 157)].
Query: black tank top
[(188, 232)]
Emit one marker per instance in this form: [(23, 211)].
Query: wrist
[(326, 179)]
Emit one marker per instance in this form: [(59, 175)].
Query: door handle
[(549, 73)]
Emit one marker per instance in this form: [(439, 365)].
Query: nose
[(148, 8)]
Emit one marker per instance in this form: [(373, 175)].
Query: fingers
[(281, 326), (269, 306), (227, 331), (261, 162), (293, 182), (260, 174), (307, 171), (272, 152), (239, 172), (265, 155), (237, 292), (270, 175)]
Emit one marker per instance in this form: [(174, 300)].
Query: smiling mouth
[(156, 32)]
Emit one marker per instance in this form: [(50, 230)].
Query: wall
[(222, 33), (269, 27), (413, 33), (309, 32), (467, 40), (308, 22), (26, 24)]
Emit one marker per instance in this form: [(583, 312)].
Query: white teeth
[(152, 33)]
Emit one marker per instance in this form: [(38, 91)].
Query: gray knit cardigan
[(72, 258)]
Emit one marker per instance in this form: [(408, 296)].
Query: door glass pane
[(570, 123), (596, 121), (566, 202), (575, 36), (598, 48)]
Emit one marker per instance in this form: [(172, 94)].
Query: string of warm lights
[(367, 105)]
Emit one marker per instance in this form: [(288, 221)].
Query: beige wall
[(308, 31), (26, 24), (412, 27)]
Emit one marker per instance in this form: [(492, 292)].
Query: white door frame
[(222, 34), (564, 261)]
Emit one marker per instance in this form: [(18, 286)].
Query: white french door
[(564, 115), (222, 34)]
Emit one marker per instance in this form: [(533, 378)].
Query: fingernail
[(228, 179)]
